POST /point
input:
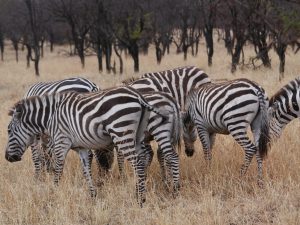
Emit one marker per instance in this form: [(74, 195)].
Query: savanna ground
[(216, 196)]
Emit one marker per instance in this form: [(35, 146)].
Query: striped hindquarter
[(166, 132), (284, 107), (229, 108), (81, 122), (177, 83), (41, 156)]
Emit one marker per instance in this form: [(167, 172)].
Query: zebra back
[(178, 82), (77, 84)]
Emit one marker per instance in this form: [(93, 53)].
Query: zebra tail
[(176, 131), (264, 139), (162, 113)]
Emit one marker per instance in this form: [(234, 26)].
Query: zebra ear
[(11, 112), (16, 111)]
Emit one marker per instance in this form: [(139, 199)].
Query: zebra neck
[(40, 111)]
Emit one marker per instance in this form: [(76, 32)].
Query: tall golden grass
[(215, 196)]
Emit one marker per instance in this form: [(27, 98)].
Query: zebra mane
[(292, 85), (16, 108), (129, 80)]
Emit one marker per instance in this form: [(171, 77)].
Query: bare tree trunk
[(134, 52), (32, 16), (185, 50), (208, 34), (51, 40), (2, 46), (99, 56), (80, 51), (120, 58), (16, 48), (42, 47), (280, 50), (158, 51), (28, 56), (237, 52), (228, 41), (108, 52)]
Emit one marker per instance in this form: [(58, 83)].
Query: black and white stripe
[(81, 122), (77, 84), (177, 83), (229, 108), (41, 156), (284, 107), (165, 132)]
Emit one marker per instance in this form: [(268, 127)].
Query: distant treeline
[(102, 27)]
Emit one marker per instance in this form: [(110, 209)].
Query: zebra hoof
[(142, 201), (93, 194), (260, 183)]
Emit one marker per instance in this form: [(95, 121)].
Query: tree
[(131, 25), (208, 9), (77, 15), (35, 10)]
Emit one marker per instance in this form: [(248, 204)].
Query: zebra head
[(189, 133), (18, 136)]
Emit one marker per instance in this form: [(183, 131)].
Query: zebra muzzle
[(12, 158)]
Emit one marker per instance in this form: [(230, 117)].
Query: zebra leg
[(46, 148), (60, 152), (260, 181), (120, 159), (138, 165), (161, 161), (86, 157), (205, 138), (249, 148), (255, 127), (37, 158), (168, 156), (148, 154), (172, 163)]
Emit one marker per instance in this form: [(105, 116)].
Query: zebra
[(284, 107), (40, 156), (81, 122), (229, 108), (166, 134), (177, 83)]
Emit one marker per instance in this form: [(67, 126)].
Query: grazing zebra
[(40, 156), (177, 83), (284, 107), (81, 122), (166, 133), (229, 108)]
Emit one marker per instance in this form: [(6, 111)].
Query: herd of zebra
[(76, 114)]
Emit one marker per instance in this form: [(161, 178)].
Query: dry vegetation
[(218, 196)]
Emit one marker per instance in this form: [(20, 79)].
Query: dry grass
[(217, 196)]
